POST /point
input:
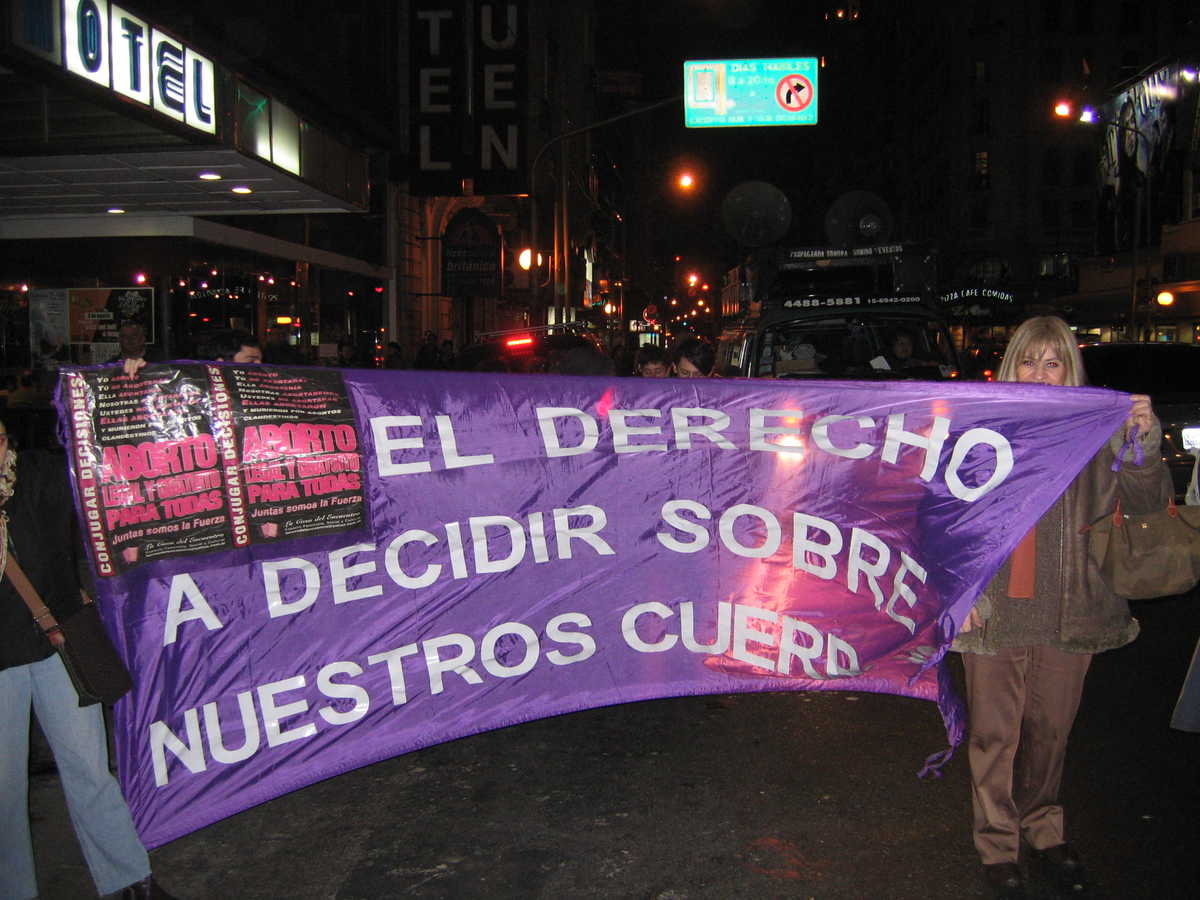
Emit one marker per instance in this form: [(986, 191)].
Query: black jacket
[(42, 530)]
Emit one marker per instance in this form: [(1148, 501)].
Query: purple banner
[(534, 545)]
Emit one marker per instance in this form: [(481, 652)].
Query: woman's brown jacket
[(1073, 607)]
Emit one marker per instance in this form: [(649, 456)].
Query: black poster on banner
[(300, 452), (194, 458)]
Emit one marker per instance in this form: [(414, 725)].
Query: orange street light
[(525, 259), (1165, 298), (686, 181), (693, 278)]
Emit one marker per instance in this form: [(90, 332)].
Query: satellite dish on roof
[(858, 219), (756, 213)]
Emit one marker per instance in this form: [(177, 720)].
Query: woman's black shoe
[(146, 889), (1005, 881), (1061, 867)]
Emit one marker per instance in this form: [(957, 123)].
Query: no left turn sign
[(794, 92)]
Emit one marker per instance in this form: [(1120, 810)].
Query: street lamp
[(533, 203)]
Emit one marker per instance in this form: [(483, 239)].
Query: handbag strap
[(37, 608), (1139, 455)]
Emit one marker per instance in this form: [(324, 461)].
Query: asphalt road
[(734, 796)]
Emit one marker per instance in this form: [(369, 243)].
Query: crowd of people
[(1026, 645)]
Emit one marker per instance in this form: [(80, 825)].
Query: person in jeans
[(1030, 637), (36, 530)]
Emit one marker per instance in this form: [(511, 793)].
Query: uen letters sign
[(500, 548)]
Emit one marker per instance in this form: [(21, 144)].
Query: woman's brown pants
[(1022, 704)]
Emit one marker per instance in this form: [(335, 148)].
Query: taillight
[(518, 342)]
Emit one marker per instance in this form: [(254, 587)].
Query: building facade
[(159, 165)]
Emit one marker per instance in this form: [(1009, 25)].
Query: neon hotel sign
[(110, 46)]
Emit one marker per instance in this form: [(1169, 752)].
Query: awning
[(161, 182)]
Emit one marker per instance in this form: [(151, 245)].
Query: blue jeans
[(101, 818)]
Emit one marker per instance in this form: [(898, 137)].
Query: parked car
[(1170, 375), (981, 362), (525, 349), (855, 342)]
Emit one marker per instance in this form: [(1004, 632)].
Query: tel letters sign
[(110, 46)]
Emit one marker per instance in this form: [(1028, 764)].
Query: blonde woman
[(1030, 638)]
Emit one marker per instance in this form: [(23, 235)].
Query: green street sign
[(733, 93)]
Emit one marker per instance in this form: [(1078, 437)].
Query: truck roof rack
[(565, 327)]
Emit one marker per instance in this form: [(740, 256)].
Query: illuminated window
[(285, 138), (253, 122)]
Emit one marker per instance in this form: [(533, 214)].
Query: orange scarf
[(1021, 573)]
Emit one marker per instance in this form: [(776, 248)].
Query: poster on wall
[(14, 331), (82, 325), (97, 314), (1139, 128), (49, 328)]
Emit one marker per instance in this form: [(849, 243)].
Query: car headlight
[(1191, 439)]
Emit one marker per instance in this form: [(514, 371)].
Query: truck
[(864, 312)]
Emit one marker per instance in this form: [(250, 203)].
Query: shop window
[(1181, 267), (1051, 66), (1081, 214), (1052, 167), (1051, 15), (979, 213), (981, 177), (285, 138), (1084, 169), (981, 14), (1085, 18), (252, 122), (1130, 18), (990, 270), (1050, 214), (1054, 265), (982, 118)]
